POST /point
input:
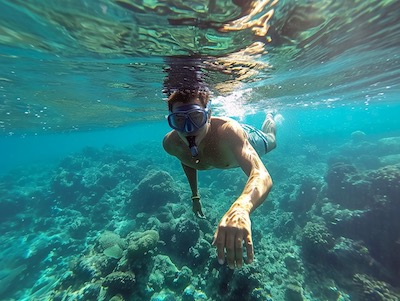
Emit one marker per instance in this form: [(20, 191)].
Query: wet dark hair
[(185, 80), (187, 95)]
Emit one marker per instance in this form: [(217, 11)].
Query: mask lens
[(177, 121), (188, 118), (198, 118)]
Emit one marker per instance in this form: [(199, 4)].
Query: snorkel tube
[(192, 145)]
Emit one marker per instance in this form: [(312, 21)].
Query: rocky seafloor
[(116, 224)]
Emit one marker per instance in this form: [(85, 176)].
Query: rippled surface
[(77, 65)]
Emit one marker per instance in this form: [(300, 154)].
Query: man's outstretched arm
[(235, 226)]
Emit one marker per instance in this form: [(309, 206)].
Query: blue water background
[(300, 126)]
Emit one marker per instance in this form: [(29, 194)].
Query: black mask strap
[(192, 145)]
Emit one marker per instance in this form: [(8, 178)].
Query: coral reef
[(186, 235), (358, 136), (112, 244), (316, 240), (119, 281), (345, 186), (140, 243), (156, 189), (370, 289), (108, 224), (385, 182), (294, 292), (92, 266), (164, 272)]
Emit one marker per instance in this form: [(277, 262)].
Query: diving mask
[(189, 118)]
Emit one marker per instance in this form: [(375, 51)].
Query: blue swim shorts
[(257, 139)]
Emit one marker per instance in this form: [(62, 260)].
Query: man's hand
[(233, 229), (196, 207)]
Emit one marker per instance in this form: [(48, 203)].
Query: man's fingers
[(232, 240), (239, 250), (197, 209), (219, 242), (249, 248), (198, 212), (230, 249), (201, 214)]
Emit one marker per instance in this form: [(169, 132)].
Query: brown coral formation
[(373, 290), (141, 243), (120, 281)]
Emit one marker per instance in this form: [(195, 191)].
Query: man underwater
[(201, 141)]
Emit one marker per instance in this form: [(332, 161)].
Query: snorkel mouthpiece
[(194, 151), (192, 145)]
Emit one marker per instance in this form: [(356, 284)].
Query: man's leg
[(269, 128)]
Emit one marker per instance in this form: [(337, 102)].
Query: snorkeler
[(201, 141)]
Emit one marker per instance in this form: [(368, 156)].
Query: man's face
[(188, 118)]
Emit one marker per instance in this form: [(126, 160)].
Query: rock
[(337, 178), (389, 145), (109, 239), (164, 273), (141, 243), (294, 292), (347, 187), (111, 244), (368, 288), (386, 181), (164, 295), (389, 159), (94, 266), (316, 240), (114, 252), (120, 281), (191, 294), (183, 278), (187, 233), (155, 190), (91, 292), (117, 298), (292, 263), (358, 136)]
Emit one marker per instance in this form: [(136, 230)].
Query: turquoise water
[(84, 177)]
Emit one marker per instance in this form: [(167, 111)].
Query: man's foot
[(269, 126)]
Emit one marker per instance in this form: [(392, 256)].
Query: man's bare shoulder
[(228, 126), (226, 122), (169, 142)]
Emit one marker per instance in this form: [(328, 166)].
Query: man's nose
[(189, 126)]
